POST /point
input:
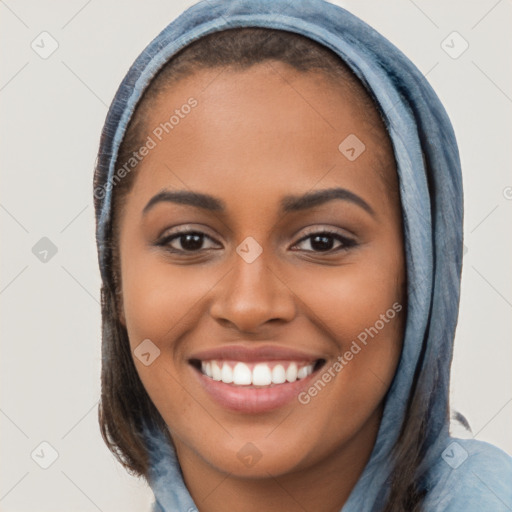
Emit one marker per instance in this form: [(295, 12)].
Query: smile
[(254, 380), (261, 374)]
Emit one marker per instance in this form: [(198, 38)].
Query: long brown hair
[(124, 400)]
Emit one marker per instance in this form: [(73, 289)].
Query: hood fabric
[(462, 474)]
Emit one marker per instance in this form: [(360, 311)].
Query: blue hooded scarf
[(459, 474)]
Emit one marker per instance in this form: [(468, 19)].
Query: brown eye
[(187, 241), (324, 241)]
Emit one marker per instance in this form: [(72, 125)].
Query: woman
[(279, 225)]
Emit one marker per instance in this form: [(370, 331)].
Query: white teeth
[(291, 373), (261, 374), (278, 374), (302, 372), (242, 375), (216, 371), (227, 374), (207, 368)]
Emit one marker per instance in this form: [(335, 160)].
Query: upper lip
[(253, 354)]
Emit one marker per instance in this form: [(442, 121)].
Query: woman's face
[(261, 290)]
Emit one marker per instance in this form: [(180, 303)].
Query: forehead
[(268, 126)]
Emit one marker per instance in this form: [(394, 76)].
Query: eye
[(194, 241), (186, 241), (323, 241)]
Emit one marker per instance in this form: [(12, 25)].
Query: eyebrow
[(289, 203)]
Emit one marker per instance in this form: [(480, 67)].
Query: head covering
[(462, 474)]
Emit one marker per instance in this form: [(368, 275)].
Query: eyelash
[(346, 242)]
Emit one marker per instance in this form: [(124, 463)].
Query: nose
[(251, 296)]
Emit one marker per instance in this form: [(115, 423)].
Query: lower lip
[(253, 400)]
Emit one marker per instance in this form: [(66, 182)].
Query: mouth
[(251, 385)]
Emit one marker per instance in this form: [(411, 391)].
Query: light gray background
[(52, 111)]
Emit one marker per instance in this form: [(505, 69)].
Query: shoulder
[(472, 476)]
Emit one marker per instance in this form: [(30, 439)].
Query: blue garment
[(462, 475)]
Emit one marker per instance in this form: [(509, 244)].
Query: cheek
[(162, 303), (359, 307), (346, 300), (161, 300)]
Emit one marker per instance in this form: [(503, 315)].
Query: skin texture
[(255, 136)]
